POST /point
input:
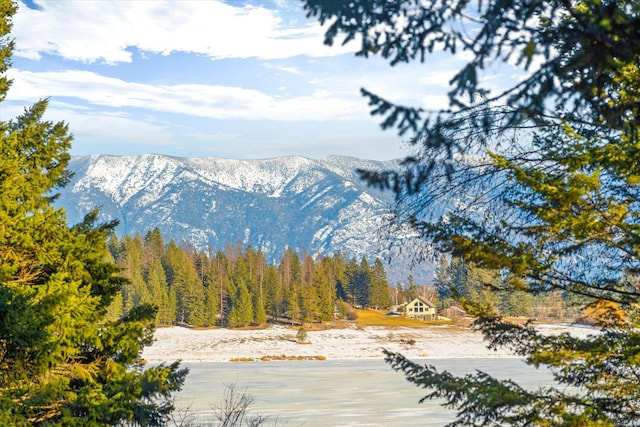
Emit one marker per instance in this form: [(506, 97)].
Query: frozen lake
[(338, 392)]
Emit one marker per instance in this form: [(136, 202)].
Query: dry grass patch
[(323, 326), (276, 357), (378, 318)]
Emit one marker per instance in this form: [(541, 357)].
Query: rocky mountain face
[(319, 205)]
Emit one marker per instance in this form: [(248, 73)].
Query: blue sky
[(235, 79)]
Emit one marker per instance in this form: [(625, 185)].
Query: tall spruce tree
[(552, 198), (274, 292), (61, 361), (183, 280), (241, 313), (159, 289), (323, 281), (379, 295)]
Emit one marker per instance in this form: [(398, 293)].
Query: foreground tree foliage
[(61, 362), (549, 199)]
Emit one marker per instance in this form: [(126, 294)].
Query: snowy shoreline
[(279, 342)]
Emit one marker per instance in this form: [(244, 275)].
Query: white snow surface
[(353, 342)]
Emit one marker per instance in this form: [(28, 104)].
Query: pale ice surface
[(364, 392), (352, 387)]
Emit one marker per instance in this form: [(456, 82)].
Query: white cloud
[(291, 70), (119, 133), (321, 93), (91, 31), (113, 127), (435, 102), (100, 132), (438, 78), (217, 102)]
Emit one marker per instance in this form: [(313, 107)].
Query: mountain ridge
[(270, 204)]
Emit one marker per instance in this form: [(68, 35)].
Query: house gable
[(421, 308)]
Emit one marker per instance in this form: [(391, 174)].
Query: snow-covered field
[(279, 342)]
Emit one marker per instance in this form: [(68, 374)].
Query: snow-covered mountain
[(319, 205)]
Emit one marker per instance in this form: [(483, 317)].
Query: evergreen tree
[(322, 284), (221, 282), (62, 362), (206, 270), (159, 289), (115, 309), (274, 292), (309, 304), (259, 313), (410, 290), (357, 282), (131, 260), (292, 303), (516, 303), (362, 284), (183, 280), (442, 279), (302, 336), (290, 269), (154, 246), (483, 286), (552, 200), (380, 296), (339, 273), (212, 296), (241, 313), (138, 292), (113, 245), (254, 276), (308, 267)]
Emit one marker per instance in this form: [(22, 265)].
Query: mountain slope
[(319, 205)]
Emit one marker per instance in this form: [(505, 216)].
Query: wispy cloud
[(210, 101), (290, 70)]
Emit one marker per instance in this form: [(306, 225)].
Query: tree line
[(238, 287), (457, 281)]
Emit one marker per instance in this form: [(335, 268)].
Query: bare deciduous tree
[(232, 411)]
